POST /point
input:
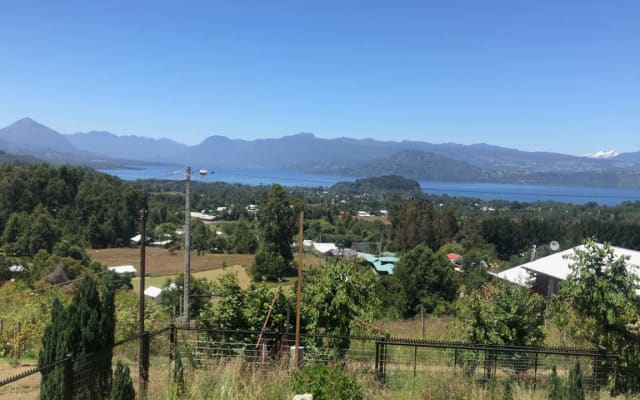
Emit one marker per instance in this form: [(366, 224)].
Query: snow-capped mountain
[(602, 154)]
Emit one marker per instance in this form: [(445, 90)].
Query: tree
[(277, 220), (85, 326), (244, 241), (337, 299), (200, 237), (122, 388), (504, 314), (173, 295), (428, 279), (602, 294)]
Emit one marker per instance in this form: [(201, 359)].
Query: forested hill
[(41, 205), (415, 164)]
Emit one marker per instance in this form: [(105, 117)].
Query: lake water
[(482, 191)]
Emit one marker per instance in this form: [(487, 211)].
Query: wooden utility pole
[(187, 247), (296, 356)]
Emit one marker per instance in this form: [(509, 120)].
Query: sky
[(559, 76)]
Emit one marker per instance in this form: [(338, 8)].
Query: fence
[(391, 361), (76, 376), (398, 361)]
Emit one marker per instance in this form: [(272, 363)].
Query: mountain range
[(304, 151)]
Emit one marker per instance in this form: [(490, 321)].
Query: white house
[(548, 272)]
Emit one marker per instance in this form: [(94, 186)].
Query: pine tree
[(122, 388), (575, 388), (85, 331)]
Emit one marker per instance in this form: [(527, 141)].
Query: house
[(154, 293), (381, 265), (202, 216), (547, 273), (516, 275), (124, 269)]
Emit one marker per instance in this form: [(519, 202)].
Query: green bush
[(326, 382), (122, 388)]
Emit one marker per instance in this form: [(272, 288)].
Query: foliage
[(575, 385), (240, 309), (418, 222), (244, 240), (392, 297), (172, 299), (326, 383), (122, 388), (504, 314), (336, 299), (428, 279), (277, 220), (41, 204), (200, 237), (557, 390), (84, 327), (601, 293)]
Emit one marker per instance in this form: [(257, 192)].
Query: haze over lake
[(482, 191)]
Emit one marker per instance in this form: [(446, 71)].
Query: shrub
[(326, 382), (122, 388)]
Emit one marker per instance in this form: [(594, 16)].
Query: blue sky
[(535, 75)]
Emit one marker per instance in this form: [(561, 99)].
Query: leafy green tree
[(200, 237), (428, 279), (269, 264), (277, 220), (601, 293), (504, 314), (173, 295), (240, 309), (244, 241), (337, 299)]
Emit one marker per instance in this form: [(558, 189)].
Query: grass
[(212, 275), (160, 261)]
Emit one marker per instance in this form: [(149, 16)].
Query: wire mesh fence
[(152, 359)]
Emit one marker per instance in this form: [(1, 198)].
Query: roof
[(453, 256), (381, 264), (152, 292), (123, 269), (325, 247), (517, 275), (557, 265), (16, 268)]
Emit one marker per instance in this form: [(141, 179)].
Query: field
[(160, 261)]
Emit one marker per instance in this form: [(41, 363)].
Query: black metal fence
[(391, 361), (398, 361)]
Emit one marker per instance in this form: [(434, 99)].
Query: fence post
[(67, 376), (172, 342), (535, 373), (380, 359), (143, 381)]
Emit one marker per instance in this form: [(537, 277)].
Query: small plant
[(122, 388), (326, 382), (556, 387), (575, 387), (507, 390)]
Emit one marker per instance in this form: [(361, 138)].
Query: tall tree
[(601, 290), (428, 279), (277, 220), (84, 327)]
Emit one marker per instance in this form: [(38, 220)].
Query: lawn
[(212, 275)]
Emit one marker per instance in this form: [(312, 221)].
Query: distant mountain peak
[(604, 154)]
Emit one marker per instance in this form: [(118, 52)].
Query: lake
[(482, 191)]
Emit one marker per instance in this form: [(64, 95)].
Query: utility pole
[(143, 234), (187, 246), (143, 370), (296, 356)]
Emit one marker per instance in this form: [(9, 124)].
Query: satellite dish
[(554, 245)]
